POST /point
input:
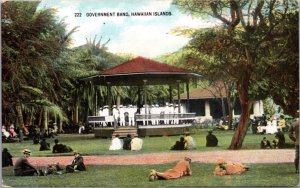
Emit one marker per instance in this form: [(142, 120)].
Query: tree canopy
[(245, 48)]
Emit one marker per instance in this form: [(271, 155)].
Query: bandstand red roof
[(141, 65), (140, 70)]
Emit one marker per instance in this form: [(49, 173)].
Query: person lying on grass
[(182, 168), (229, 168), (53, 169)]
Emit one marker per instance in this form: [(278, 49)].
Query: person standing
[(182, 168), (77, 164), (294, 135), (23, 167)]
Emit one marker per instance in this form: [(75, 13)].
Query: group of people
[(187, 142), (22, 166), (127, 143), (9, 134), (57, 148), (183, 168), (268, 125), (277, 143)]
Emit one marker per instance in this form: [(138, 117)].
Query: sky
[(147, 36)]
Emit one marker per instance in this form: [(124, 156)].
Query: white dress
[(116, 144), (136, 144)]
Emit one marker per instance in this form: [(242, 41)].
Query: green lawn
[(278, 175), (136, 175), (88, 145)]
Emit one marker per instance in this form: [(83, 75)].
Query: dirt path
[(243, 156)]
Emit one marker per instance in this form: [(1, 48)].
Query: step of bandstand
[(122, 132)]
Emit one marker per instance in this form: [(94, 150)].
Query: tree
[(250, 27), (32, 41)]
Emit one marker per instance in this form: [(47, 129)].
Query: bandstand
[(145, 120)]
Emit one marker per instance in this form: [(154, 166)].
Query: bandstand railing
[(144, 120)]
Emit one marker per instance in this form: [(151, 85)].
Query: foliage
[(238, 48), (32, 40)]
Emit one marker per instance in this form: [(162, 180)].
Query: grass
[(278, 175), (88, 145), (136, 175)]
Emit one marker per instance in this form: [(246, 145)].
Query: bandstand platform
[(143, 125)]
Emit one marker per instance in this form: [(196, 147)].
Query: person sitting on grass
[(116, 143), (189, 141), (23, 167), (265, 144), (6, 158), (211, 140), (279, 140), (126, 142), (44, 146), (60, 148), (77, 164), (179, 145), (136, 143), (182, 168), (229, 168)]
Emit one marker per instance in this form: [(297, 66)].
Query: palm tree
[(32, 42)]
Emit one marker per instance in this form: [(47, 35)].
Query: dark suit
[(211, 140), (24, 168), (6, 159), (61, 148), (127, 143), (77, 164)]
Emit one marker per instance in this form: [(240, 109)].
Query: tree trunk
[(40, 119), (20, 119), (75, 120), (230, 110), (45, 122), (241, 130), (118, 101), (60, 128)]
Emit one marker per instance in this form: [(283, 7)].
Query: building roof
[(205, 93), (139, 71), (142, 65)]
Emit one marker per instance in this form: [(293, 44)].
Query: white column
[(261, 107), (256, 108), (207, 108)]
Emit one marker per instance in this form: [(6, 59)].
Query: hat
[(220, 161), (188, 159), (26, 151), (75, 152)]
